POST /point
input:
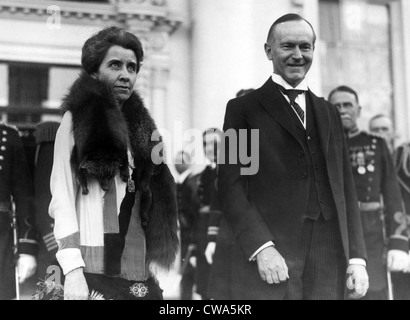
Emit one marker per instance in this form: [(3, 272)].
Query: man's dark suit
[(270, 205)]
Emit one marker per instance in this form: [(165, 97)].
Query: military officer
[(379, 196), (207, 183), (382, 125), (45, 136), (16, 191), (188, 215)]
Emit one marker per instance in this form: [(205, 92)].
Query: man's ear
[(268, 51), (359, 112)]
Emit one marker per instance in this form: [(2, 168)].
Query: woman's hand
[(75, 286)]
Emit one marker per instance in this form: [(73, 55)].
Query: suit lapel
[(275, 105), (321, 114)]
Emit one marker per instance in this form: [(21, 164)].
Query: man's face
[(383, 127), (212, 142), (119, 70), (290, 48), (348, 107), (182, 163)]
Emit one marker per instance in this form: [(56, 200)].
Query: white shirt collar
[(183, 176), (209, 163), (279, 80)]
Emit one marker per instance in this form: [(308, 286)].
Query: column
[(4, 89), (406, 66)]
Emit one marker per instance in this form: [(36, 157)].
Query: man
[(188, 206), (15, 189), (378, 194), (222, 251), (383, 126), (45, 137), (297, 219), (207, 189)]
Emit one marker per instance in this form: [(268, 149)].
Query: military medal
[(370, 168), (131, 185), (361, 162)]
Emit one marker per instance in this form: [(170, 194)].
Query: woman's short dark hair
[(96, 47)]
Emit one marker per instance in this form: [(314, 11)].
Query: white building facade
[(200, 53)]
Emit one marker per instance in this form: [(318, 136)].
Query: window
[(28, 89), (356, 51)]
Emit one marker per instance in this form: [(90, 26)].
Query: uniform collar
[(355, 132), (183, 176)]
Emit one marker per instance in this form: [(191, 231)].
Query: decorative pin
[(139, 290), (361, 170), (131, 185)]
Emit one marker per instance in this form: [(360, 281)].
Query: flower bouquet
[(50, 290)]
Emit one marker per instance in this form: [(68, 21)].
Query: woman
[(114, 209)]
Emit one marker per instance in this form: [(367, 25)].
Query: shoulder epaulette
[(46, 131), (10, 126)]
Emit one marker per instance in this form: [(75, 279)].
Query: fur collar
[(102, 133)]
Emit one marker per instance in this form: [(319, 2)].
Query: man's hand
[(75, 286), (193, 262), (357, 282), (27, 266), (407, 269), (210, 251), (272, 267), (397, 260)]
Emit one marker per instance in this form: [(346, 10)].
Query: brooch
[(139, 290)]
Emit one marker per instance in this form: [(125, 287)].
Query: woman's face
[(119, 69)]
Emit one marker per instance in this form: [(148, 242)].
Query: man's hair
[(343, 89), (212, 131), (378, 116), (286, 18), (244, 92), (97, 46)]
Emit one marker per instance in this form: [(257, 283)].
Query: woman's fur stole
[(102, 133)]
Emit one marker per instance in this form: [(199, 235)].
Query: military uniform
[(379, 201), (188, 207), (205, 191), (45, 136), (16, 185), (222, 283)]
